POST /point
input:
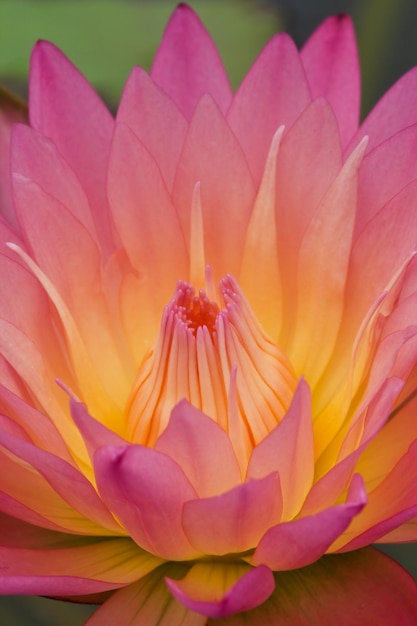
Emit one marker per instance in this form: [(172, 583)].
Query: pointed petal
[(36, 158), (146, 602), (395, 111), (274, 93), (321, 303), (57, 91), (330, 60), (187, 65), (302, 541), (302, 180), (94, 433), (155, 120), (218, 590), (64, 479), (363, 587), (74, 567), (384, 171), (289, 450), (212, 156), (236, 520), (149, 230), (390, 504), (146, 490), (202, 449)]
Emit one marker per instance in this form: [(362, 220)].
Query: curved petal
[(221, 589), (289, 450), (330, 60), (147, 602), (146, 490), (304, 540), (57, 91), (282, 93), (390, 504), (213, 157), (187, 64), (394, 111), (358, 588), (64, 479), (155, 120), (78, 567), (236, 520), (150, 232), (202, 449)]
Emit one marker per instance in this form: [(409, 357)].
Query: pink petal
[(212, 156), (274, 93), (384, 171), (289, 450), (203, 589), (146, 602), (94, 433), (236, 520), (355, 589), (155, 120), (150, 232), (202, 449), (64, 479), (57, 91), (383, 247), (36, 158), (320, 303), (72, 566), (330, 60), (302, 541), (187, 65), (302, 180), (146, 490), (65, 252), (395, 111), (390, 504)]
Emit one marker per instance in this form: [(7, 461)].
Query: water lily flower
[(208, 314)]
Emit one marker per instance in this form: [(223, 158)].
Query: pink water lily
[(208, 315)]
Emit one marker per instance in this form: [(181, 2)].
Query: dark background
[(106, 38)]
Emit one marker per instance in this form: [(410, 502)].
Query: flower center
[(221, 361), (194, 311)]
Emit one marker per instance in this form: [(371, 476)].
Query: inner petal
[(219, 358)]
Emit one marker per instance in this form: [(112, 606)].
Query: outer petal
[(218, 590), (187, 64), (390, 504), (236, 520), (396, 110), (298, 543), (147, 602), (155, 119), (289, 450), (302, 180), (330, 59), (39, 561), (213, 157), (57, 91), (274, 93), (150, 232), (202, 449), (360, 588), (67, 481), (146, 490)]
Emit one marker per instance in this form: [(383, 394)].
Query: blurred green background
[(106, 38)]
